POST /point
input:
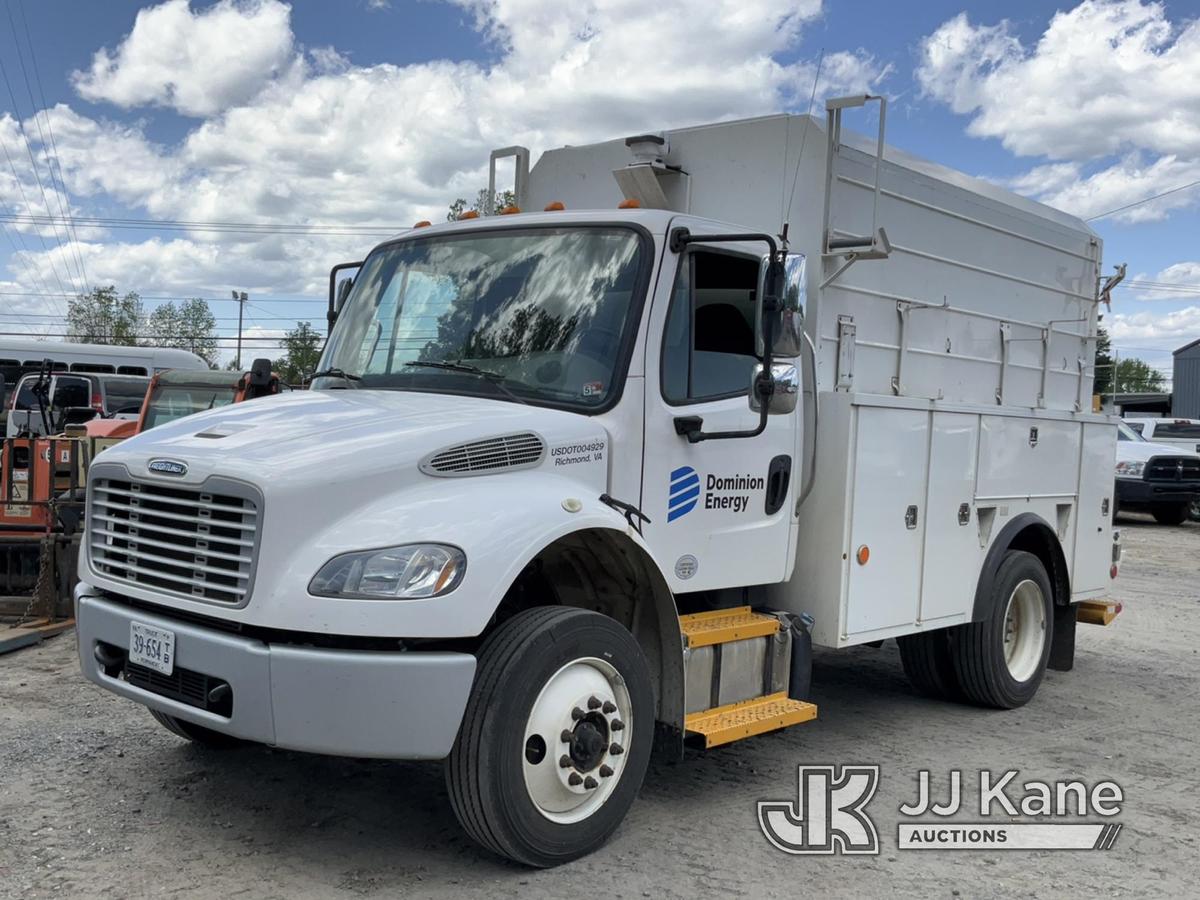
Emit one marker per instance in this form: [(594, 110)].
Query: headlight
[(408, 572), (1130, 469)]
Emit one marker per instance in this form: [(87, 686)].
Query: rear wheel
[(1171, 513), (927, 663), (1001, 660), (556, 736), (198, 734)]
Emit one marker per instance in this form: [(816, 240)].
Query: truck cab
[(575, 483)]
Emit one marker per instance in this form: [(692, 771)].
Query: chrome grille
[(180, 541), (509, 451)]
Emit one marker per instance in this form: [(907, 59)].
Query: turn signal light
[(554, 206), (629, 204), (424, 223), (1112, 572), (863, 554)]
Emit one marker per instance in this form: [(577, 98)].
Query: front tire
[(556, 736), (1001, 660), (1171, 513)]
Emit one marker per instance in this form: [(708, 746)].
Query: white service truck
[(576, 483)]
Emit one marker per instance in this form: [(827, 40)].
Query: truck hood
[(331, 437), (1142, 451)]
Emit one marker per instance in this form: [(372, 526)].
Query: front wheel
[(1171, 513), (556, 736), (1000, 661)]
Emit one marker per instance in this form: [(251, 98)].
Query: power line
[(59, 184), (43, 294), (1145, 200), (263, 228)]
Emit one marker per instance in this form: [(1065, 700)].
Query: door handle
[(779, 475)]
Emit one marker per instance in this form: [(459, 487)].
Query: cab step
[(722, 626), (735, 721)]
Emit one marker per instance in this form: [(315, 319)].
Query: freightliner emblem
[(167, 467)]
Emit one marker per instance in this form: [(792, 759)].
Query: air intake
[(498, 454)]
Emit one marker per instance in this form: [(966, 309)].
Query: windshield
[(174, 401), (124, 393), (544, 313), (1125, 433)]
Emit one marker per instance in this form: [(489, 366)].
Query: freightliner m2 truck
[(577, 484)]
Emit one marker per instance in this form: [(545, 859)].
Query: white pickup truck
[(572, 479), (1156, 477)]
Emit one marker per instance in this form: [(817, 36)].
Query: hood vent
[(498, 454)]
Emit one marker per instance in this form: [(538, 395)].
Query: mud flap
[(1062, 640)]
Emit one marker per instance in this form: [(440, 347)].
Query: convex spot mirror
[(343, 291), (785, 388), (787, 322)]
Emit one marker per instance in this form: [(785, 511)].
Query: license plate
[(152, 647)]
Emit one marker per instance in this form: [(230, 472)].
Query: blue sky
[(371, 114)]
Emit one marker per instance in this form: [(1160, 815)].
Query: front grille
[(183, 542), (1173, 468), (183, 685), (509, 451)]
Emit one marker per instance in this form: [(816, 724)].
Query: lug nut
[(616, 749), (577, 713), (609, 707), (564, 762), (574, 779), (616, 725), (606, 772), (593, 702), (566, 735), (590, 783)]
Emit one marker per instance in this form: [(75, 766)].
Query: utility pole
[(241, 302)]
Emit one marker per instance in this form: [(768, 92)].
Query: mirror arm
[(764, 385)]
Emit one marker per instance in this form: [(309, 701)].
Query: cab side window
[(708, 343)]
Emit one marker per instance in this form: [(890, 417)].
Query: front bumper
[(393, 705), (1136, 492)]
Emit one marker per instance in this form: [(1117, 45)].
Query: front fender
[(500, 523)]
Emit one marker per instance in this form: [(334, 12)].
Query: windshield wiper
[(494, 377), (335, 373)]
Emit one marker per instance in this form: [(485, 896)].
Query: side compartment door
[(720, 509)]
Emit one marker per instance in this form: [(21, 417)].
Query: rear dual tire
[(1000, 660)]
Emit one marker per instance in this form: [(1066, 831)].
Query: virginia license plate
[(152, 647)]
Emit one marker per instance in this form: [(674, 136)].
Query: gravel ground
[(97, 800)]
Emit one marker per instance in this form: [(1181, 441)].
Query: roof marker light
[(469, 214), (555, 206), (629, 204), (510, 210), (424, 223)]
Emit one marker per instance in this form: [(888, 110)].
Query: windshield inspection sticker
[(578, 453)]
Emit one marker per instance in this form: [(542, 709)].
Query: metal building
[(1185, 402)]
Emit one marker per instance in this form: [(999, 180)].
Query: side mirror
[(785, 389), (343, 291), (787, 281)]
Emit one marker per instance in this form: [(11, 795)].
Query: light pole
[(241, 302)]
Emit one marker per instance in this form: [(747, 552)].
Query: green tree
[(1136, 376), (1104, 363), (188, 326), (103, 317), (302, 352), (459, 206)]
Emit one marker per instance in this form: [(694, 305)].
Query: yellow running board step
[(726, 724), (724, 625)]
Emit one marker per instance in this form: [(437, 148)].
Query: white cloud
[(311, 137), (1163, 329), (1111, 80), (196, 62)]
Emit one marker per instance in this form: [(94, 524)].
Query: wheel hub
[(582, 717), (1024, 630)]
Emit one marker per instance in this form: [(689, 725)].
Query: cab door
[(721, 509)]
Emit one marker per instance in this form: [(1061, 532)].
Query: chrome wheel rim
[(1024, 630), (576, 740)]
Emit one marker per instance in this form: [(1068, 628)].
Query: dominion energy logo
[(730, 493)]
